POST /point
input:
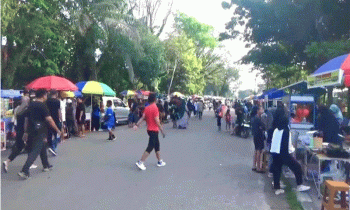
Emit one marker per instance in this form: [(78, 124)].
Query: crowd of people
[(44, 119), (40, 123), (271, 133)]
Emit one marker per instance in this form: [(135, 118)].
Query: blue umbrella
[(78, 94)]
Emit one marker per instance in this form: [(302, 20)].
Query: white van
[(119, 107)]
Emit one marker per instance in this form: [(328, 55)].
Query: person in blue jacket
[(110, 120)]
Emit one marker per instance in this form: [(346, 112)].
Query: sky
[(210, 12)]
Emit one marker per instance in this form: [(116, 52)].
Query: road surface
[(206, 169)]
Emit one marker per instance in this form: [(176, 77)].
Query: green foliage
[(187, 77), (325, 51), (278, 76), (200, 33), (289, 36), (36, 41), (58, 37)]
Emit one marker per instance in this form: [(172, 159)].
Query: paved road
[(206, 169)]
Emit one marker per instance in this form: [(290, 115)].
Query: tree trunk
[(172, 77), (130, 68)]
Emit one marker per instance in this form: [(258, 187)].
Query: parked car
[(119, 107)]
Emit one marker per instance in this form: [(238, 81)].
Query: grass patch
[(292, 199)]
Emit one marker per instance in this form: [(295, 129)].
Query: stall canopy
[(276, 94), (332, 73), (11, 94), (301, 88), (262, 96)]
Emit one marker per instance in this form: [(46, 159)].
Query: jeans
[(288, 160), (52, 139), (70, 127), (200, 114), (38, 147), (219, 121)]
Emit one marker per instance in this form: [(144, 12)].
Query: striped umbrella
[(128, 93), (95, 88)]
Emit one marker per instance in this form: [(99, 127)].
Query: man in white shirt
[(63, 102)]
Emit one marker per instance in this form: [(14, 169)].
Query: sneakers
[(279, 191), (5, 166), (33, 166), (161, 163), (302, 188), (52, 151), (49, 168), (282, 185), (23, 175), (141, 165), (113, 138), (270, 175)]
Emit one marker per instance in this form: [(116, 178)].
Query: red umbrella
[(52, 82)]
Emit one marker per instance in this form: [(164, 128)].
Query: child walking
[(110, 120), (228, 118)]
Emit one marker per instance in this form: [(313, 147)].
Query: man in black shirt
[(80, 116), (35, 132), (54, 106)]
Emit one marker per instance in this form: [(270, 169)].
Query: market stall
[(8, 98)]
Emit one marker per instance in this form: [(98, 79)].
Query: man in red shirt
[(151, 116)]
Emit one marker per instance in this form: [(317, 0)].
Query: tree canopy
[(295, 36), (113, 41)]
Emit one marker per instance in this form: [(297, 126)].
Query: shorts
[(153, 141), (258, 143)]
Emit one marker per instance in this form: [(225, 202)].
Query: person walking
[(70, 118), (189, 108), (151, 116), (281, 147), (80, 117), (200, 109), (20, 115), (35, 132), (110, 120), (228, 119), (54, 106), (259, 137), (219, 115)]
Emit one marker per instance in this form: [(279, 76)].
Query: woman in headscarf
[(20, 114), (328, 125), (183, 118), (337, 113)]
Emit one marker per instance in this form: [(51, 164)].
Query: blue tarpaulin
[(276, 94), (262, 96), (11, 94)]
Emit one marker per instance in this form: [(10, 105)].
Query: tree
[(148, 12), (283, 31), (187, 77), (36, 41)]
